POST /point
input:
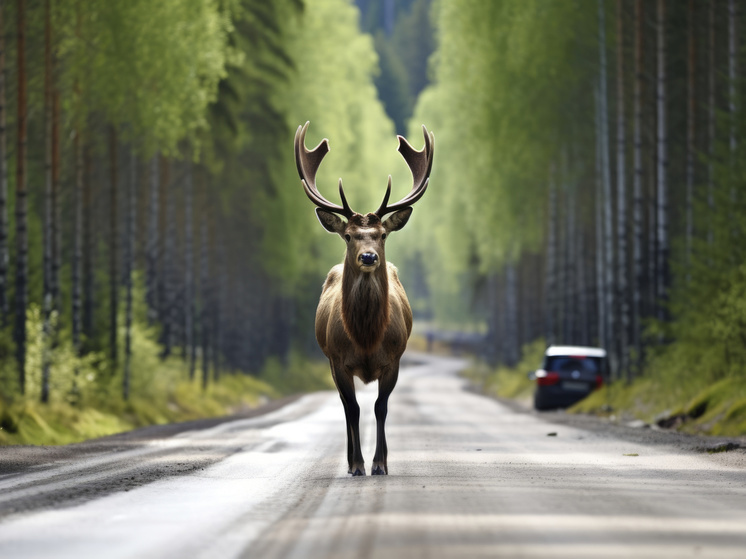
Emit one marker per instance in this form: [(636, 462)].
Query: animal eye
[(383, 236), (347, 238)]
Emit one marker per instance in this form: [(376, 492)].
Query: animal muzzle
[(368, 258)]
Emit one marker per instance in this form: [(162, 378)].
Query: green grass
[(711, 409), (703, 406), (86, 392), (509, 382), (61, 422)]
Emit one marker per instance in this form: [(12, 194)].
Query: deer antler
[(420, 163), (308, 163)]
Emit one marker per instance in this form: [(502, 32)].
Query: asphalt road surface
[(468, 477)]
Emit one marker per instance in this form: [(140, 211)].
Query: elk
[(363, 320)]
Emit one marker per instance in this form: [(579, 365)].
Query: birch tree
[(607, 194), (690, 136), (189, 272), (662, 154), (77, 259), (637, 187), (151, 249), (21, 202), (205, 297), (129, 264), (3, 176), (49, 214), (113, 247), (711, 119), (732, 73), (551, 273), (621, 185), (598, 220)]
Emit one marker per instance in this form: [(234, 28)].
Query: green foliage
[(72, 377), (86, 396), (298, 375), (511, 382), (333, 88), (696, 407), (503, 107), (152, 66)]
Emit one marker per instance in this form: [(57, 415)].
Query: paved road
[(469, 477)]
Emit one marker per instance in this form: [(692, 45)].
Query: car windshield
[(568, 364)]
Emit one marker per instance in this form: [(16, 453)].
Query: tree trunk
[(151, 284), (48, 211), (217, 323), (732, 74), (21, 203), (560, 291), (113, 249), (662, 207), (4, 257), (621, 215), (690, 139), (570, 256), (77, 244), (89, 245), (205, 314), (189, 271), (551, 273), (169, 289), (600, 276), (637, 235), (129, 261), (512, 351), (56, 199), (607, 195), (711, 122), (583, 305)]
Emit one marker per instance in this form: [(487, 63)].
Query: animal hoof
[(378, 471), (358, 472)]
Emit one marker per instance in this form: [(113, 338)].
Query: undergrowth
[(509, 382), (86, 397), (668, 394), (697, 408)]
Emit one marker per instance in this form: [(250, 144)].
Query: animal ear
[(331, 222), (397, 220)]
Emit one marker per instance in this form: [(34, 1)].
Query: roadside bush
[(510, 382)]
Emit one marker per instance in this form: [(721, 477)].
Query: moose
[(363, 320)]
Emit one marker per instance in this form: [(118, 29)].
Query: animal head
[(365, 234)]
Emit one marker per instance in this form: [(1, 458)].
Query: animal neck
[(365, 305)]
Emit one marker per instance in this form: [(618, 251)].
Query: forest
[(156, 244)]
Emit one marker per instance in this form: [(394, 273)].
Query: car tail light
[(546, 378), (599, 381)]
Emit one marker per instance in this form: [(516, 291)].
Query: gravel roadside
[(728, 451)]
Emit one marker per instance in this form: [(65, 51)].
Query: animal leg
[(386, 385), (346, 388), (347, 423)]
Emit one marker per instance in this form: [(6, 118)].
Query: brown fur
[(365, 306), (363, 320)]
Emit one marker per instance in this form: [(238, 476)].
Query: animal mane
[(365, 306)]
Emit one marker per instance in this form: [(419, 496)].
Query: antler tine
[(420, 164), (308, 162)]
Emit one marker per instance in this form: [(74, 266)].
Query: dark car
[(568, 374)]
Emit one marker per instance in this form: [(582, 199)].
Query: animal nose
[(368, 258)]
